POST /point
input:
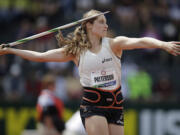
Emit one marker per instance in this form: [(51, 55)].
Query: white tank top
[(100, 70)]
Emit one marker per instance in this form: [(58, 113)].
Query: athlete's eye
[(102, 21)]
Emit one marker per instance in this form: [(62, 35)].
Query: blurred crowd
[(150, 75)]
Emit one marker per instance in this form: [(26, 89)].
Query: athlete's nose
[(106, 26)]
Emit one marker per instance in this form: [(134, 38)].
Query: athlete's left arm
[(125, 43)]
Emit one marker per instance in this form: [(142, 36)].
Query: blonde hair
[(48, 80), (77, 42)]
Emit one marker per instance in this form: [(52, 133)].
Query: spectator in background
[(50, 109), (163, 88), (125, 15), (129, 68), (13, 83), (33, 85), (104, 5), (74, 88), (3, 66), (3, 72), (83, 6), (61, 70), (25, 29), (140, 85), (174, 10)]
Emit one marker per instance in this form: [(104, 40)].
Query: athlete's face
[(99, 26)]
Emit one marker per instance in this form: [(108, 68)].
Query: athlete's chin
[(101, 35), (104, 35)]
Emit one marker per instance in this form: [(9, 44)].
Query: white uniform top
[(45, 99), (100, 70)]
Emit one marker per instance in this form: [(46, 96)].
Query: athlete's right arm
[(55, 55)]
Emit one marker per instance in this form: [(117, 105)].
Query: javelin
[(21, 41)]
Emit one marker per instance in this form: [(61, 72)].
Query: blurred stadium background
[(150, 78)]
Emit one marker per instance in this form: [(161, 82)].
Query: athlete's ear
[(89, 25)]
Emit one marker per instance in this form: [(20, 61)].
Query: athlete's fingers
[(174, 53), (175, 42), (178, 53), (177, 47)]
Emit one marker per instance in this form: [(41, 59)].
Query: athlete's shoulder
[(117, 52)]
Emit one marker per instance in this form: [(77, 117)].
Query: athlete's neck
[(95, 42)]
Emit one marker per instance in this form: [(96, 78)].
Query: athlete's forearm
[(148, 42), (26, 54), (171, 47)]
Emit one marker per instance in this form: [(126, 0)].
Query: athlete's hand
[(172, 47), (4, 49)]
